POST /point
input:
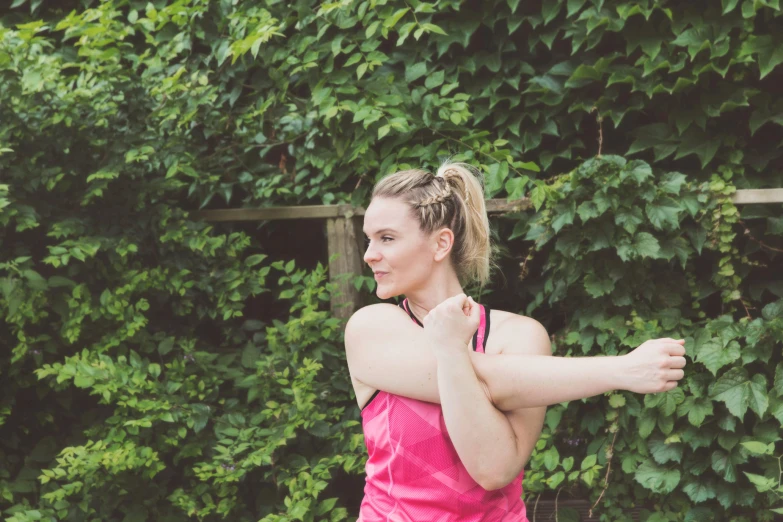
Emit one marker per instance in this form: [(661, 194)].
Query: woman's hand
[(454, 320), (655, 366)]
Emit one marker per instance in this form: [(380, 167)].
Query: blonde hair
[(453, 198)]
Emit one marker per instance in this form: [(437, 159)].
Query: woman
[(451, 413)]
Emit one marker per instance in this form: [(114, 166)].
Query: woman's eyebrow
[(381, 231)]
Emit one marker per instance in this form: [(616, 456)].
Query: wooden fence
[(344, 232)]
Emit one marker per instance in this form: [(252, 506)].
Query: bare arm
[(385, 350), (498, 451)]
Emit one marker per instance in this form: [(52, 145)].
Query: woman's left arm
[(493, 445)]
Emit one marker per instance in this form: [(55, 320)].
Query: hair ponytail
[(474, 251)]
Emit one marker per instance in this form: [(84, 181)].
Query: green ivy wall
[(156, 367)]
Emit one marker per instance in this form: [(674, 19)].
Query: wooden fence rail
[(344, 232)]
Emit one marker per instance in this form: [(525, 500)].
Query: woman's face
[(398, 251)]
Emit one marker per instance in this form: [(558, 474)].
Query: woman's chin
[(384, 293)]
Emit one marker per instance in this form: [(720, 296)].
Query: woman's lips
[(379, 275)]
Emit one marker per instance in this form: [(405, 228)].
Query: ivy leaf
[(714, 356), (657, 136), (698, 237), (596, 286), (565, 216), (696, 141), (663, 452), (647, 423), (773, 310), (639, 171), (663, 217), (645, 245), (573, 6), (723, 465), (700, 490), (740, 393), (672, 182), (770, 52), (629, 219), (657, 478), (697, 409), (587, 210)]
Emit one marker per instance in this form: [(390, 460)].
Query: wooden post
[(344, 235)]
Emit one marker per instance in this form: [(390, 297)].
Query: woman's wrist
[(619, 373)]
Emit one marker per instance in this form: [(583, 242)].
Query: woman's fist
[(655, 366), (454, 320)]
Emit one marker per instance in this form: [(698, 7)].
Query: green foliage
[(140, 381), (632, 256)]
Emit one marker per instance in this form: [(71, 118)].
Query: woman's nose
[(371, 254)]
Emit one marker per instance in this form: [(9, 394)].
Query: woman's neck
[(437, 290)]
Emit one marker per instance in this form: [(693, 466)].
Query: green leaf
[(773, 310), (565, 216), (740, 393), (434, 80), (696, 141), (83, 381), (393, 19), (551, 458), (672, 182), (663, 452), (759, 448), (714, 356), (769, 51), (433, 28), (416, 71), (596, 286), (361, 70), (629, 219), (658, 479), (663, 217), (700, 490), (645, 245), (588, 462), (538, 196), (762, 483), (696, 408)]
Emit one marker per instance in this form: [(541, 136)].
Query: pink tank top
[(413, 471)]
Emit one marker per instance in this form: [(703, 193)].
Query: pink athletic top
[(413, 471)]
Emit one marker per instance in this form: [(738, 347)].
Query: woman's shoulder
[(373, 314), (507, 329)]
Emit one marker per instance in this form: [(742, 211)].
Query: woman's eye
[(385, 238)]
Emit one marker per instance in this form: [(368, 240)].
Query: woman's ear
[(444, 241)]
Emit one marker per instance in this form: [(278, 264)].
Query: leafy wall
[(147, 374)]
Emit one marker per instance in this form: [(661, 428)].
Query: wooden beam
[(754, 196), (345, 261), (494, 206), (277, 213)]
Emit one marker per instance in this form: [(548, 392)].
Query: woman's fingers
[(678, 362), (675, 349), (674, 375)]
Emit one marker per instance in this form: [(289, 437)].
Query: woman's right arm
[(387, 351)]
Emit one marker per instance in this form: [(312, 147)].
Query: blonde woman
[(453, 394)]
